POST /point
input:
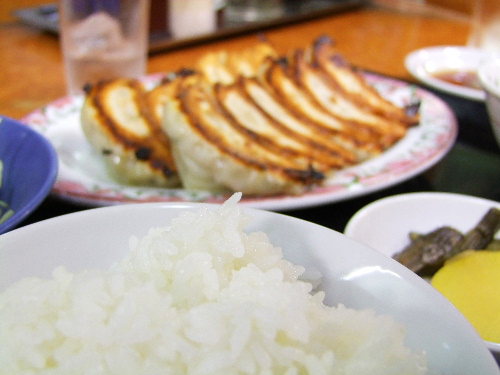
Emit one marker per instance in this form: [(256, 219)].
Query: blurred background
[(186, 21)]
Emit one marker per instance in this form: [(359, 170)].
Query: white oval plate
[(83, 179), (386, 223), (426, 62), (353, 274)]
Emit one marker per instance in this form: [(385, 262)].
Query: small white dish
[(425, 63), (352, 273), (386, 223)]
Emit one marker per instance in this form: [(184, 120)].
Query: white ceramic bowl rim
[(361, 228)]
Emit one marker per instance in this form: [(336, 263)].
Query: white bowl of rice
[(204, 289)]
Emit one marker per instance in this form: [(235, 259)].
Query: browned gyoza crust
[(304, 107), (250, 121), (224, 67), (355, 120), (117, 120), (339, 73), (294, 119), (320, 140), (205, 118)]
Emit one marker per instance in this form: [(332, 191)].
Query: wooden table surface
[(376, 38)]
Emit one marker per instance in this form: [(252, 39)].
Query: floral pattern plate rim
[(82, 177)]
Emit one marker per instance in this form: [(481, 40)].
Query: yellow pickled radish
[(471, 281)]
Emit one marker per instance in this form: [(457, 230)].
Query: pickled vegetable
[(426, 253), (429, 251), (471, 282)]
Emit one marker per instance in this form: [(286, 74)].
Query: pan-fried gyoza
[(118, 122), (259, 123)]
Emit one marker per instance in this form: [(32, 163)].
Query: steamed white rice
[(197, 297)]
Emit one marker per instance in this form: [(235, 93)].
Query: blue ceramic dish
[(29, 170)]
